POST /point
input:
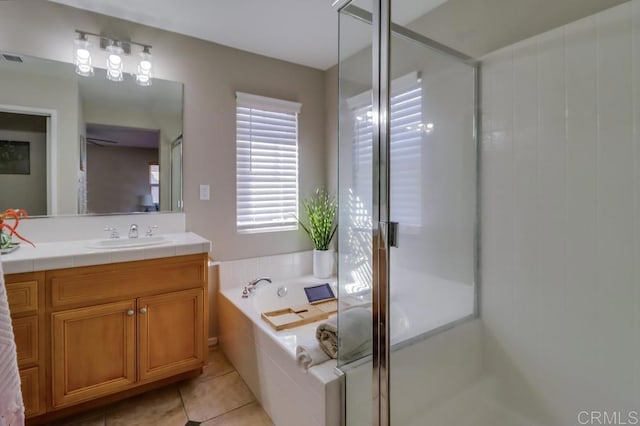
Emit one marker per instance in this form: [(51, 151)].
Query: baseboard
[(213, 341)]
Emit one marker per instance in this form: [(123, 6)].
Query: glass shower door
[(176, 175), (355, 196), (416, 178), (432, 198)]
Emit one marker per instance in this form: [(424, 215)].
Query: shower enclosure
[(527, 147), (177, 203), (408, 206)]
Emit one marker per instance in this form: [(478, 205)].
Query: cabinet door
[(171, 334), (25, 332), (30, 386), (93, 352)]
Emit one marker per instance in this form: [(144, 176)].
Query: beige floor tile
[(249, 415), (218, 364), (91, 418), (161, 407), (206, 399)]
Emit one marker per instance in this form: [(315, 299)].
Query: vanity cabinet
[(108, 331), (177, 318), (93, 352), (118, 326), (25, 293)]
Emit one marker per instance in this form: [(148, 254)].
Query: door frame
[(382, 30)]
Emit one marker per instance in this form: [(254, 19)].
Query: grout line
[(635, 141), (184, 406), (565, 216), (597, 168), (537, 299), (255, 401)]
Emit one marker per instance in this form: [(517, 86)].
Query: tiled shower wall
[(560, 208)]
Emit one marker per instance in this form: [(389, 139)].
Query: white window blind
[(407, 131), (266, 164)]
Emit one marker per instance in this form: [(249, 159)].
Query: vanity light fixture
[(82, 55), (114, 61), (116, 51), (143, 77)]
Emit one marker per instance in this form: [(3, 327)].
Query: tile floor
[(217, 397)]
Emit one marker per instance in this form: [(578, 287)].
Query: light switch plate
[(205, 194)]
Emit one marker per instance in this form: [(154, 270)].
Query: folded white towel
[(309, 354), (11, 405), (355, 334)]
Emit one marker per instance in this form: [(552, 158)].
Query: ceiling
[(119, 137), (306, 31), (300, 31)]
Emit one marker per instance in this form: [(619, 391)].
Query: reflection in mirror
[(23, 162), (122, 167), (86, 145)]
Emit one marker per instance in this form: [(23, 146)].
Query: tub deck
[(266, 360)]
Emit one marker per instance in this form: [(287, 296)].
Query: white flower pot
[(323, 263)]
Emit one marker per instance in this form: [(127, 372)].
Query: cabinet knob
[(130, 313), (143, 311)]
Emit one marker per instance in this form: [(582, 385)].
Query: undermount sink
[(128, 242)]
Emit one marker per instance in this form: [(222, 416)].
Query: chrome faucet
[(150, 229), (133, 231), (113, 232), (253, 285)]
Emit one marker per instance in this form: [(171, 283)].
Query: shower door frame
[(383, 230)]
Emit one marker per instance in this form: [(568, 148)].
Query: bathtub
[(421, 306), (265, 358)]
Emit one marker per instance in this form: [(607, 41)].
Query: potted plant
[(7, 230), (321, 215)]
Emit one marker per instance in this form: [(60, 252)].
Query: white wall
[(60, 94), (561, 217), (211, 74)]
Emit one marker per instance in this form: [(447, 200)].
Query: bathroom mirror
[(86, 145)]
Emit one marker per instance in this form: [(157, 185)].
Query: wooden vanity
[(90, 335)]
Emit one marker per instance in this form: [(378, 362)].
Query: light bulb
[(82, 57), (114, 63), (143, 77)]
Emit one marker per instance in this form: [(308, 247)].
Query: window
[(406, 135), (154, 182), (266, 164)]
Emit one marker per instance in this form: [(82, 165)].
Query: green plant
[(321, 214), (15, 215)]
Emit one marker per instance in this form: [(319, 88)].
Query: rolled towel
[(11, 405), (309, 354), (355, 334)]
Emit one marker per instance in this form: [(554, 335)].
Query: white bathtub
[(265, 358)]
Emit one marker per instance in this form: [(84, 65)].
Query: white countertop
[(69, 254)]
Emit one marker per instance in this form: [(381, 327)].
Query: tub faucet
[(253, 284)]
